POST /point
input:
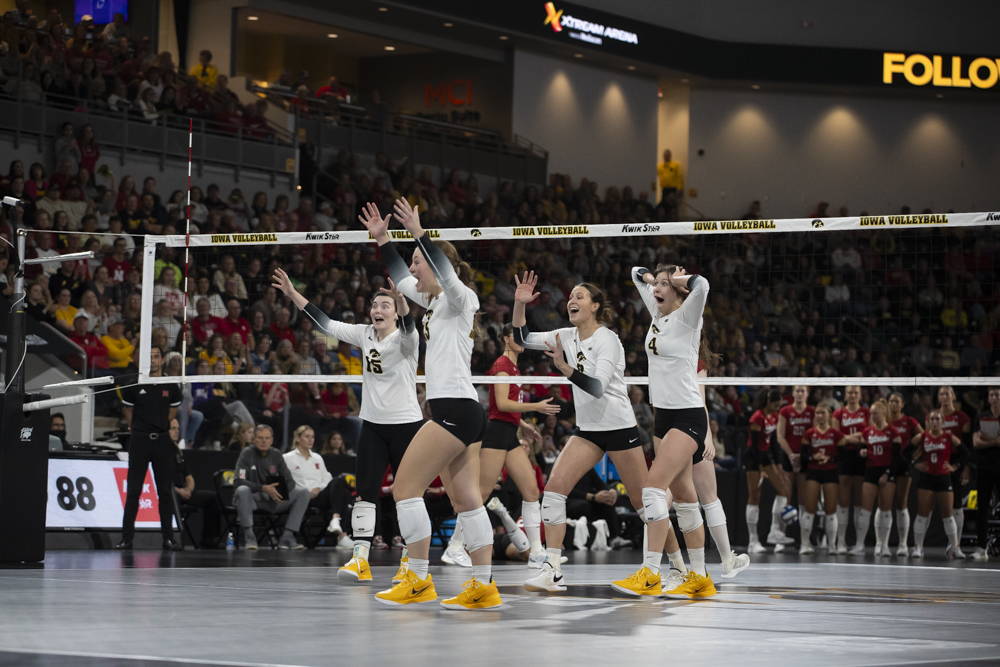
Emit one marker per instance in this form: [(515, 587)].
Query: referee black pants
[(143, 449), (987, 479)]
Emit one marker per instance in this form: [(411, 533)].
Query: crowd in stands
[(868, 303), (107, 68)]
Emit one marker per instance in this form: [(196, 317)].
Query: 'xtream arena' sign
[(586, 31)]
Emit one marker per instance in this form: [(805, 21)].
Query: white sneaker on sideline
[(955, 554), (857, 550), (917, 553), (806, 549), (755, 548), (549, 580), (902, 551), (740, 562), (777, 537), (675, 578), (980, 554), (456, 556), (345, 543), (841, 549), (779, 548), (536, 561)]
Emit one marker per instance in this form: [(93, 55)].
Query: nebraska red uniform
[(879, 444), (796, 424), (825, 442), (936, 451), (906, 426), (954, 423), (504, 365), (768, 424), (852, 422)]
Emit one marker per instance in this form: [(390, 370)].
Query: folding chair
[(265, 524), (181, 512)]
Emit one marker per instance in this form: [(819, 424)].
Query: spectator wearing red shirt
[(104, 61), (193, 97), (254, 123), (117, 263), (96, 351), (206, 324), (222, 96), (300, 101), (280, 326), (542, 370), (332, 89), (90, 150), (229, 119), (233, 322)]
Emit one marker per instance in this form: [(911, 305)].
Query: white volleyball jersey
[(448, 330), (601, 357), (672, 344), (389, 390)]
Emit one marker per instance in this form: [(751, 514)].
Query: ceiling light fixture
[(383, 9), (390, 48), (631, 67), (448, 25), (503, 37), (755, 87), (577, 55), (252, 18), (332, 35)]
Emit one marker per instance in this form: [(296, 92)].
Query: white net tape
[(795, 225)]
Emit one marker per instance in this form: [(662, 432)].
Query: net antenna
[(794, 227), (187, 252)]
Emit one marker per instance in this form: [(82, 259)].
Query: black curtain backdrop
[(182, 16)]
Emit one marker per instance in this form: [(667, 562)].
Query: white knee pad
[(688, 516), (714, 514), (477, 528), (553, 509), (414, 522), (363, 519), (531, 513), (654, 502), (642, 514)]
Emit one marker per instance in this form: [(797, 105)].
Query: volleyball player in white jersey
[(448, 445), (591, 356), (389, 408), (676, 302), (703, 475)]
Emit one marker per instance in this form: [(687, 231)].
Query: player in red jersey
[(933, 455), (758, 459), (958, 424), (501, 448), (850, 419), (793, 421), (882, 444), (907, 427), (820, 448)]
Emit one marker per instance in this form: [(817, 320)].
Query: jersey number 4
[(652, 346)]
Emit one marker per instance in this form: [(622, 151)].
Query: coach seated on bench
[(261, 473), (309, 471)]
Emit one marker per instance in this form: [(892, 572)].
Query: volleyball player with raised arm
[(850, 419), (676, 302), (389, 408), (502, 449), (882, 442), (592, 357), (448, 445), (907, 427)]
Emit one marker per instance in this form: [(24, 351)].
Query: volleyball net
[(887, 301)]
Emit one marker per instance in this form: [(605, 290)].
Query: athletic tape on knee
[(553, 509), (363, 519), (688, 516), (477, 528), (531, 514), (714, 514), (654, 502), (414, 522)]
